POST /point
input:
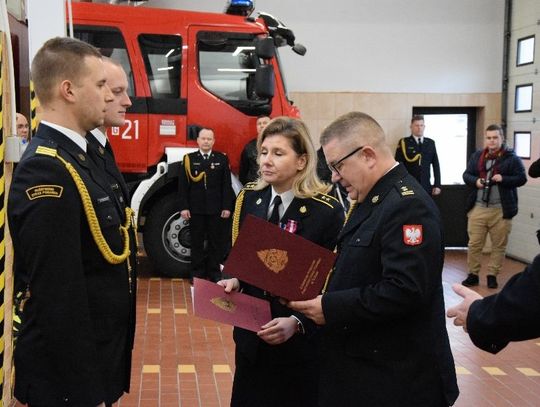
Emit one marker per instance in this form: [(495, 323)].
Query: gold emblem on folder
[(274, 259), (224, 304)]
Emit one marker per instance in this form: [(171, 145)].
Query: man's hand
[(460, 311), (278, 330), (435, 191), (185, 214), (231, 284), (497, 178), (310, 308), (225, 213)]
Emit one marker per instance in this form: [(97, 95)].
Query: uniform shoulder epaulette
[(325, 199), (51, 152), (250, 186), (404, 190)]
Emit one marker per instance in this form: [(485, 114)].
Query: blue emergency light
[(240, 7)]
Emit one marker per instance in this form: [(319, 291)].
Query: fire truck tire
[(167, 239)]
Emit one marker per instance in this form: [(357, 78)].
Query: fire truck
[(186, 70)]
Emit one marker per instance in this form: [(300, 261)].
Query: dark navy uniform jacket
[(319, 220), (511, 315), (421, 169), (385, 341), (74, 345), (208, 197), (292, 365)]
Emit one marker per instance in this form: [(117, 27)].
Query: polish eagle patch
[(412, 235)]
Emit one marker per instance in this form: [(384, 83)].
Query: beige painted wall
[(392, 110)]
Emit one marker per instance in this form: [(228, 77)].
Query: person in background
[(418, 154), (248, 159), (206, 200), (511, 315), (71, 258), (494, 173), (100, 150), (278, 366), (383, 334), (534, 169), (23, 130), (534, 172)]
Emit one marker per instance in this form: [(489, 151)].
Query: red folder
[(282, 263), (244, 311)]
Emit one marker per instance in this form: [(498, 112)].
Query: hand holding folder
[(282, 263)]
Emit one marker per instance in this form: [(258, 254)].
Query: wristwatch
[(299, 325)]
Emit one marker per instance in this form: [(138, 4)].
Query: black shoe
[(471, 280), (492, 282)]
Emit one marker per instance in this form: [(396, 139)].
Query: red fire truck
[(186, 69)]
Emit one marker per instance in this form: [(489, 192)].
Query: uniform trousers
[(209, 228), (266, 383), (481, 222)]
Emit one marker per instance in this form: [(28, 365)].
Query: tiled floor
[(184, 361)]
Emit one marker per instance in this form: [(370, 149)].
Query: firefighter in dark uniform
[(508, 316), (418, 154), (383, 337), (71, 244), (100, 150), (278, 366), (206, 200)]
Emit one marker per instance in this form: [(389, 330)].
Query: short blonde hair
[(306, 183)]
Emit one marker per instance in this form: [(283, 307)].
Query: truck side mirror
[(264, 48), (264, 81)]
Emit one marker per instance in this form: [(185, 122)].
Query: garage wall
[(525, 22)]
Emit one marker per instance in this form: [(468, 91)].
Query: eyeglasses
[(335, 167)]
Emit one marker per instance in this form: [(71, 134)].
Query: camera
[(486, 182)]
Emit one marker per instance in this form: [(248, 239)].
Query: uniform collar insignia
[(303, 209), (375, 199), (258, 201)]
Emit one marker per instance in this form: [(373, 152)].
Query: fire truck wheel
[(167, 238)]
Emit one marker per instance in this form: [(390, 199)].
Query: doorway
[(453, 129)]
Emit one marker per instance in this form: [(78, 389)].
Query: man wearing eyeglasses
[(384, 340)]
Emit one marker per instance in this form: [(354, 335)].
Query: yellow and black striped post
[(2, 216), (34, 103)]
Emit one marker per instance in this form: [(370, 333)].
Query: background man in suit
[(418, 154), (74, 343), (206, 199), (384, 340), (249, 167), (511, 315)]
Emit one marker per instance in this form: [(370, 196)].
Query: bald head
[(22, 126)]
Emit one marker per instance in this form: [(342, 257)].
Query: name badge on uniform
[(44, 191)]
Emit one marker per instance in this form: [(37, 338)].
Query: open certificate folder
[(244, 311), (282, 263)]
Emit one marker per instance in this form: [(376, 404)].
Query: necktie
[(274, 217), (420, 144), (205, 156)]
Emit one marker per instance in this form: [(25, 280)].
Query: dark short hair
[(417, 118), (57, 60), (495, 127)]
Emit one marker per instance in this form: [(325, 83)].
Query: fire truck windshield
[(227, 67)]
